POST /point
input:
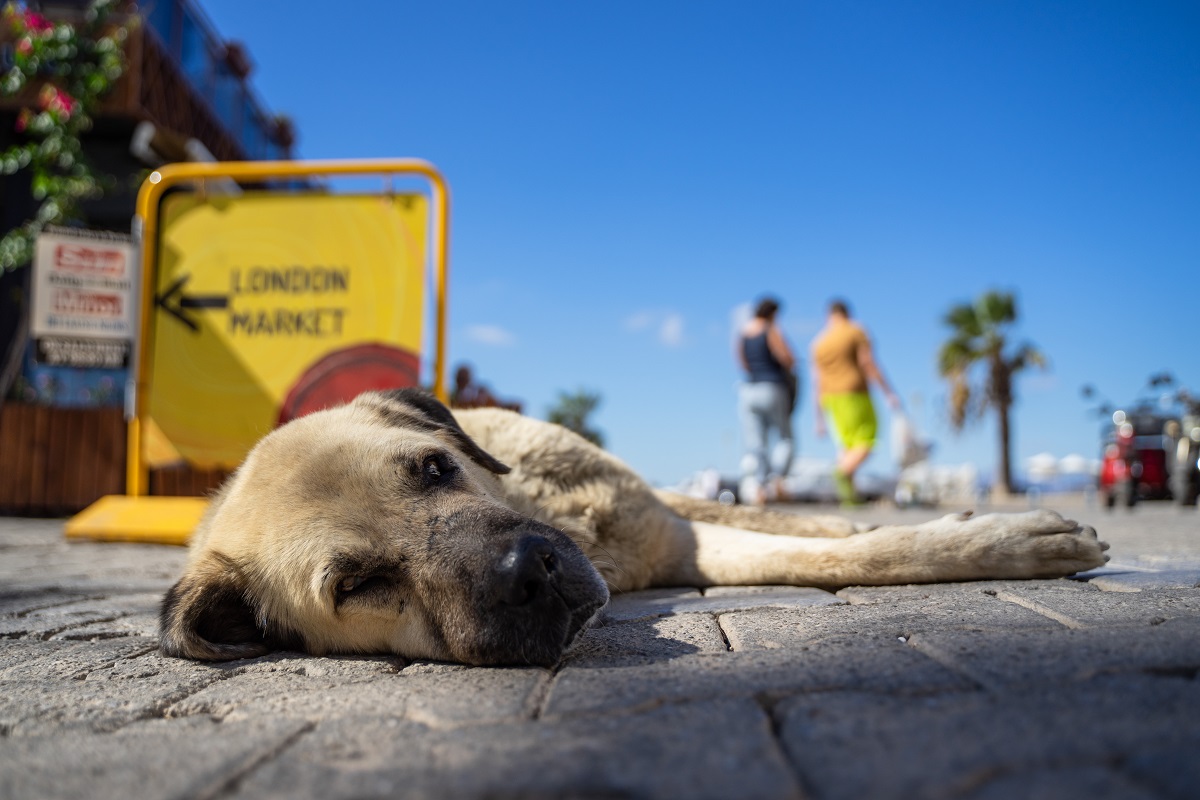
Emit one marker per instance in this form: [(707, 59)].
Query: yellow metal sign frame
[(150, 197), (136, 516)]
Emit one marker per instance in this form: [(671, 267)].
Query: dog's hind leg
[(1035, 544), (758, 519)]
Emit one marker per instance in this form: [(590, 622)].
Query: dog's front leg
[(1036, 544)]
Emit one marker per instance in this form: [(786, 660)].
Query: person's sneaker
[(845, 489)]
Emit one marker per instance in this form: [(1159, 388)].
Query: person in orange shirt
[(843, 369)]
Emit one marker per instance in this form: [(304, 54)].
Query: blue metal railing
[(188, 36)]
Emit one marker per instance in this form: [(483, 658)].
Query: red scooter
[(1134, 465)]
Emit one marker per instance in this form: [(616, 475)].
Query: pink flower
[(36, 22), (24, 46), (64, 102), (23, 120), (54, 99)]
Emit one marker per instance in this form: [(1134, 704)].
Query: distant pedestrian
[(843, 369), (470, 393), (765, 403), (467, 392)]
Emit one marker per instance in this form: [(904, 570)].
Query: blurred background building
[(186, 95)]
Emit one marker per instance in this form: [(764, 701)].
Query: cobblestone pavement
[(1060, 688)]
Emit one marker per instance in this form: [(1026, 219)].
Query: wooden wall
[(186, 481), (58, 461)]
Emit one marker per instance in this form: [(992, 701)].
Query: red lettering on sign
[(83, 259), (92, 304)]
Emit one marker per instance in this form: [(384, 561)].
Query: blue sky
[(625, 174)]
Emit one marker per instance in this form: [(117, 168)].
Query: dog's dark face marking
[(378, 527)]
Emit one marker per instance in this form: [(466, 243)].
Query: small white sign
[(84, 311)]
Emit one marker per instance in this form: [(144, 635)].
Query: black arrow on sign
[(183, 303)]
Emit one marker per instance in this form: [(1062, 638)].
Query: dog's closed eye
[(356, 585), (437, 469), (365, 576), (350, 583)]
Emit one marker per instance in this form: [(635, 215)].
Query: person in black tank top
[(765, 403)]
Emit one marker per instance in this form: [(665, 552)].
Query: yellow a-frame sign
[(262, 304)]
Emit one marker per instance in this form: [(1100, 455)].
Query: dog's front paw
[(1031, 544)]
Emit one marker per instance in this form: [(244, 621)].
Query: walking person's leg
[(852, 417), (752, 407), (784, 450)]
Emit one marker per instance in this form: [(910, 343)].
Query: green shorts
[(852, 416)]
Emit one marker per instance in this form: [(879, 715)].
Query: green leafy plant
[(76, 67)]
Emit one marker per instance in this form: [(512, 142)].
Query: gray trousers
[(763, 409)]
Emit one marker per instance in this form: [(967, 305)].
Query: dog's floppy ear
[(207, 615), (418, 408)]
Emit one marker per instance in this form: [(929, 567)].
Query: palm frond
[(963, 320), (957, 355), (961, 400), (996, 309), (1026, 356)]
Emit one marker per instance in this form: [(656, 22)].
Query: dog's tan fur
[(334, 498)]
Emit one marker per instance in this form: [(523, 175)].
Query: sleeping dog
[(391, 525)]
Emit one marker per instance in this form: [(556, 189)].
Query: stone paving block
[(138, 623), (718, 600), (99, 583), (978, 744), (470, 696), (773, 629), (967, 592), (104, 696), (1172, 561), (63, 618), (1171, 768), (146, 760), (1136, 581), (15, 602), (305, 687), (645, 604), (1031, 657), (874, 663), (1149, 562), (726, 599), (655, 639), (739, 591), (17, 532), (1110, 568), (343, 668), (32, 659), (67, 557), (1094, 783), (93, 567), (1083, 605), (702, 750)]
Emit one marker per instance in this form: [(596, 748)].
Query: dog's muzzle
[(536, 596)]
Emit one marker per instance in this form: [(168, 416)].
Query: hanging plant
[(77, 67)]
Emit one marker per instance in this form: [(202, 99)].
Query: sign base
[(119, 518)]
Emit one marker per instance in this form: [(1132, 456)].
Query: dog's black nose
[(524, 571)]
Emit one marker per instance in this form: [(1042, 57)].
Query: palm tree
[(980, 336), (572, 412)]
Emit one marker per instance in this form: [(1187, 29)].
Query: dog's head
[(377, 527)]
